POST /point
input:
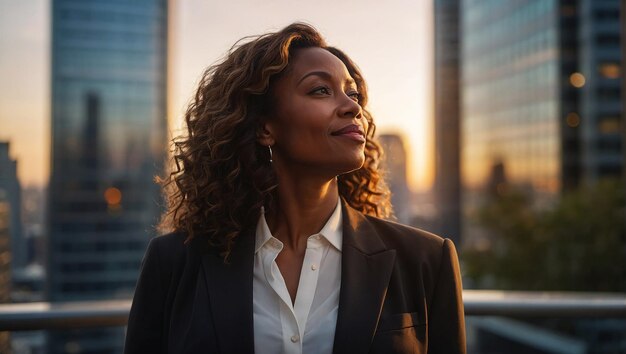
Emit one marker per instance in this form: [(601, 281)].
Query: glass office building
[(601, 122), (541, 113), (447, 117), (11, 193), (511, 92), (109, 79), (541, 97), (394, 164)]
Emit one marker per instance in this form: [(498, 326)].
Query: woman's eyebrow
[(322, 74), (325, 75)]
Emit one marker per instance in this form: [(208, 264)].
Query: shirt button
[(295, 338), (313, 266)]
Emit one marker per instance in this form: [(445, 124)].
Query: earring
[(270, 147)]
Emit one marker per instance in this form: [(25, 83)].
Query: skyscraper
[(109, 79), (512, 89), (600, 96), (11, 194), (541, 97), (5, 264), (447, 118), (394, 164), (542, 92), (623, 73), (542, 110)]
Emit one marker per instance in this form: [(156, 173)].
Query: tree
[(579, 244)]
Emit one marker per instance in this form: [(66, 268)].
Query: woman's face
[(317, 125)]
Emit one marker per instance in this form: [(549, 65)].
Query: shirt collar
[(331, 230)]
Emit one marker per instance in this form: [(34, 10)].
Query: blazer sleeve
[(144, 333), (446, 330)]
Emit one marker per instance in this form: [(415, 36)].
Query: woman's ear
[(264, 134)]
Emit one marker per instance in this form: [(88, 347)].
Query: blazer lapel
[(365, 272), (230, 295)]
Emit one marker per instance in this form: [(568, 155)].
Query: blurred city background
[(502, 122)]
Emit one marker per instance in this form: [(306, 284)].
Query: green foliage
[(579, 244)]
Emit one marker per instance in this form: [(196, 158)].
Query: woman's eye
[(355, 96), (321, 90)]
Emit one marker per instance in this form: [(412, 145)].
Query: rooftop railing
[(66, 315)]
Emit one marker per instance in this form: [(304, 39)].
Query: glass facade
[(541, 115), (510, 104), (394, 164), (541, 96), (109, 79), (511, 92), (11, 194), (600, 97), (447, 118)]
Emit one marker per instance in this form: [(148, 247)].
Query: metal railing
[(65, 315)]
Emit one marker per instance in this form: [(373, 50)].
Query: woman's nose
[(350, 108)]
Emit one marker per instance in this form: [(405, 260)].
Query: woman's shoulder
[(172, 242), (404, 232), (173, 239), (409, 239), (167, 248), (416, 248)]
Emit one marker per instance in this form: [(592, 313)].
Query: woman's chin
[(353, 165)]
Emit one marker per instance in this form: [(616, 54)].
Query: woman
[(275, 203)]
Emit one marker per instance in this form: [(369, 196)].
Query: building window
[(609, 94), (610, 70), (606, 14), (608, 145), (610, 125), (607, 39)]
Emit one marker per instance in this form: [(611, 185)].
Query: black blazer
[(400, 293)]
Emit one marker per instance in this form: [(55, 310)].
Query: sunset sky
[(392, 44)]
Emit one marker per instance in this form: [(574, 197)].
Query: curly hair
[(220, 176)]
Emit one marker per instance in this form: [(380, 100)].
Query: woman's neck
[(302, 209)]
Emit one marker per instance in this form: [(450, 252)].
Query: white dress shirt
[(307, 326)]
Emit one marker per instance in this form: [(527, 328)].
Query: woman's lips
[(353, 135), (351, 131)]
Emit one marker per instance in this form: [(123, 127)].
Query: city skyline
[(516, 158), (394, 52)]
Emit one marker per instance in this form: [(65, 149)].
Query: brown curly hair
[(221, 176)]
